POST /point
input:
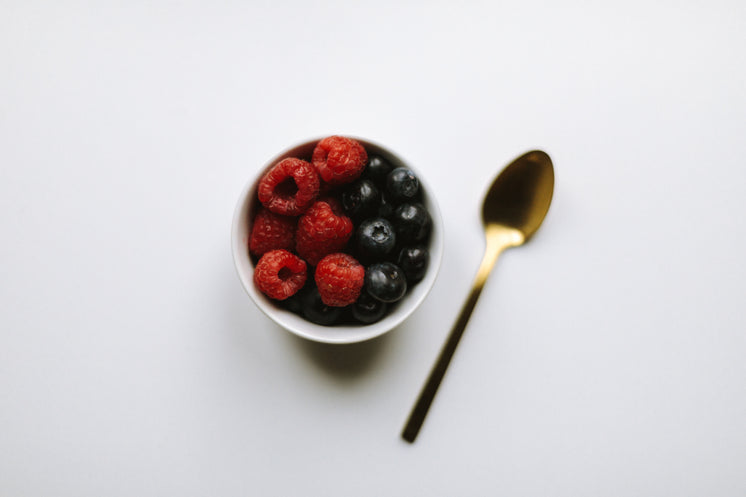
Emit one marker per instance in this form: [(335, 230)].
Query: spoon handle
[(498, 239)]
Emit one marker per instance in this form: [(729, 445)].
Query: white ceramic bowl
[(348, 333)]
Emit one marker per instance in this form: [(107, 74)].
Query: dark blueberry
[(316, 311), (402, 184), (377, 170), (361, 199), (375, 239), (367, 309), (293, 304), (385, 281), (387, 206), (411, 222), (413, 261)]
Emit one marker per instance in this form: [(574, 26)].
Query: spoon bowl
[(514, 207), (520, 195)]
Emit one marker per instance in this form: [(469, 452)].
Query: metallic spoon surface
[(513, 209)]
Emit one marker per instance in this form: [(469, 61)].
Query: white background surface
[(606, 357)]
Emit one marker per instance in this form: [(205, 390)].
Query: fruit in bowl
[(338, 240)]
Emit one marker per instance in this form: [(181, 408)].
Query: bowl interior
[(247, 207)]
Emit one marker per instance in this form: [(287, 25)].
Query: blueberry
[(414, 260), (293, 304), (402, 184), (375, 238), (411, 222), (386, 282), (367, 309), (316, 311), (386, 207), (361, 199), (377, 170)]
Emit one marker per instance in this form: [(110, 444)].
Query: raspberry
[(339, 278), (339, 160), (289, 187), (270, 232), (280, 274), (322, 230)]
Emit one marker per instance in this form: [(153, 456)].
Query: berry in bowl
[(338, 240)]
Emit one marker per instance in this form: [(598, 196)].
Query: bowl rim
[(338, 334)]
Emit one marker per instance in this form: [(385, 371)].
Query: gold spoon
[(513, 210)]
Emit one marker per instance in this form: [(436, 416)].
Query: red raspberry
[(322, 230), (339, 160), (339, 278), (289, 187), (280, 274), (270, 232)]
